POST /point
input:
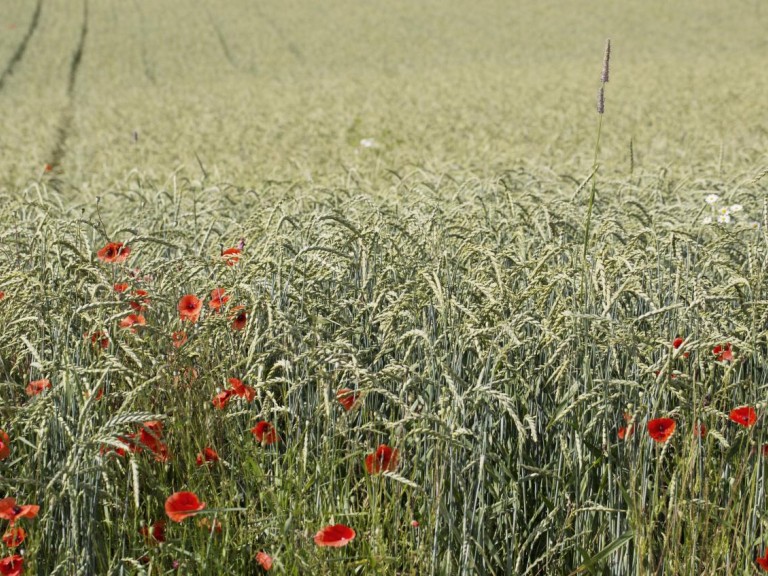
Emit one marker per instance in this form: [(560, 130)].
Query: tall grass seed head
[(606, 73)]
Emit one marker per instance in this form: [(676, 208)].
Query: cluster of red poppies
[(9, 510), (149, 436), (182, 505), (661, 429), (189, 306)]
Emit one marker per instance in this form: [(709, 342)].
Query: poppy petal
[(181, 505), (744, 416), (660, 429), (335, 535)]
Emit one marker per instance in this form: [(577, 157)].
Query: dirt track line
[(62, 132), (292, 48), (222, 40), (22, 48), (148, 71)]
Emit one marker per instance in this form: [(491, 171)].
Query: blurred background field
[(410, 181), (286, 90)]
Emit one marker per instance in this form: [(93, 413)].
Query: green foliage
[(412, 182), (479, 351)]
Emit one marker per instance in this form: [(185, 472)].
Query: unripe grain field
[(371, 288)]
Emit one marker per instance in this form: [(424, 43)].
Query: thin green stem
[(594, 186)]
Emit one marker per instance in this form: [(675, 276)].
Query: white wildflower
[(724, 210), (736, 208), (711, 199), (707, 220), (724, 218), (368, 143)]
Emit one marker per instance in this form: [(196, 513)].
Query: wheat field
[(385, 266)]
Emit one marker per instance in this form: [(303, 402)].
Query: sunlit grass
[(372, 266), (477, 351)]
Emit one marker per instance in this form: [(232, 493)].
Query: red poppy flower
[(150, 436), (14, 537), (190, 307), (156, 531), (5, 445), (242, 390), (36, 386), (114, 253), (239, 318), (263, 559), (179, 338), (218, 298), (231, 255), (161, 452), (763, 561), (676, 343), (121, 287), (745, 416), (335, 535), (181, 505), (206, 524), (132, 321), (221, 399), (700, 431), (206, 455), (99, 338), (660, 429), (347, 398), (152, 428), (723, 353), (140, 300), (2, 294), (12, 565), (9, 510), (383, 460), (265, 433)]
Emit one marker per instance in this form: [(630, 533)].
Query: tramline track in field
[(22, 48), (63, 130), (280, 33), (149, 71), (220, 36)]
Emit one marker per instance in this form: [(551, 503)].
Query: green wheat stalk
[(604, 77)]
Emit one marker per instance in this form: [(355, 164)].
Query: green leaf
[(604, 553)]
